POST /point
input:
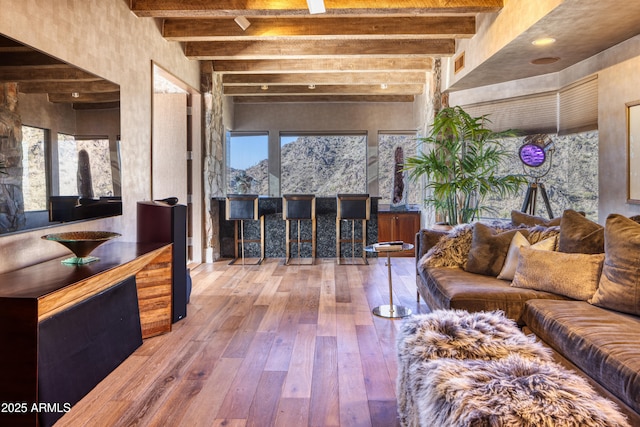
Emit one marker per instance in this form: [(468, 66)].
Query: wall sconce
[(311, 86), (242, 22), (264, 87), (383, 86), (75, 95)]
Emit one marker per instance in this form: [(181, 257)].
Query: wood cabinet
[(398, 225), (64, 327)]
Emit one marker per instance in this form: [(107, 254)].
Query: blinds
[(572, 109), (578, 104), (529, 114)]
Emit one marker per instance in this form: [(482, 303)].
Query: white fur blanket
[(478, 369)]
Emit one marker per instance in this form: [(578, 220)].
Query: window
[(34, 181), (247, 163), (93, 178), (323, 165), (388, 143)]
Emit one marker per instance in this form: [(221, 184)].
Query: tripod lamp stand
[(534, 153)]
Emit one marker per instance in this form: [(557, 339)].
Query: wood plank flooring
[(268, 345)]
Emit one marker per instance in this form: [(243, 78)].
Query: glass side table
[(390, 311)]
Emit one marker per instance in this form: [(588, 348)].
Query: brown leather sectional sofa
[(601, 344)]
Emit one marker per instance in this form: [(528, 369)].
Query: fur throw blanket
[(453, 248), (513, 391), (457, 368)]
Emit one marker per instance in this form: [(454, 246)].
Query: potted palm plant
[(461, 166)]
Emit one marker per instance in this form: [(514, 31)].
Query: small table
[(390, 311)]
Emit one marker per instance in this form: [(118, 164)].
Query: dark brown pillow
[(579, 234), (619, 287), (489, 249), (521, 218)]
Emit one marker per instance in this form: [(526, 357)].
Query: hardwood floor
[(266, 345)]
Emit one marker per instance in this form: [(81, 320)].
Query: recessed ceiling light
[(546, 60), (544, 41)]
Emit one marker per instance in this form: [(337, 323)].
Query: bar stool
[(299, 207), (352, 207), (241, 208)]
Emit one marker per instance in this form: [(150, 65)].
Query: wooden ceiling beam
[(88, 98), (355, 78), (306, 65), (409, 89), (210, 8), (323, 98), (290, 49), (320, 28), (68, 87), (28, 58), (31, 73)]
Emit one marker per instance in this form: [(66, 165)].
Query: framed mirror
[(59, 141), (633, 152)]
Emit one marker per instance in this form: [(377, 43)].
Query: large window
[(84, 167), (323, 165), (389, 146), (247, 163), (34, 182)]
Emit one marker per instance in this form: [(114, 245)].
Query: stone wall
[(11, 198)]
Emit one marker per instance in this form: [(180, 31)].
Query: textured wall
[(105, 38)]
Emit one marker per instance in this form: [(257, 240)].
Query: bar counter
[(271, 208)]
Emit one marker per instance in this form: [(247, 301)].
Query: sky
[(250, 150)]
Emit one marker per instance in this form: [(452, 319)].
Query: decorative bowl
[(81, 243)]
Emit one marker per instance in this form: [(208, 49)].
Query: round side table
[(390, 311)]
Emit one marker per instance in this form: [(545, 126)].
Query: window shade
[(578, 107), (529, 114)]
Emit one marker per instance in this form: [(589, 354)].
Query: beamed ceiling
[(36, 72), (359, 50)]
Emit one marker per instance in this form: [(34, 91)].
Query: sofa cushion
[(602, 343), (521, 218), (518, 241), (619, 287), (572, 275), (489, 249), (579, 234), (446, 288)]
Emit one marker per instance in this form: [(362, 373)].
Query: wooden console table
[(51, 313)]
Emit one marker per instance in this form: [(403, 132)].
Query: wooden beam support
[(355, 78), (320, 28), (68, 87), (322, 98), (306, 65), (45, 74), (290, 49), (208, 8), (325, 90), (101, 97)]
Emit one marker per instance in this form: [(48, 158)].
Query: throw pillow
[(520, 218), (579, 234), (573, 275), (489, 249), (619, 287), (518, 241)]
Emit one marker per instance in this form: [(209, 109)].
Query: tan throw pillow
[(619, 287), (489, 249), (518, 241), (573, 275), (521, 218), (579, 234)]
